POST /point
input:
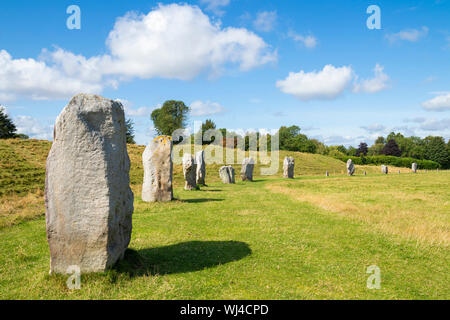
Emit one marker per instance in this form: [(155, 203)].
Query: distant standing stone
[(288, 167), (384, 169), (365, 172), (350, 167), (327, 174), (201, 168), (414, 167), (247, 169), (189, 171), (158, 170), (89, 203), (226, 173), (398, 171)]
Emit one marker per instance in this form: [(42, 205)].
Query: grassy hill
[(22, 174)]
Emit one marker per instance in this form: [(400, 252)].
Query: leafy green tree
[(208, 125), (437, 150), (130, 131), (351, 151), (391, 149), (292, 140), (362, 150), (375, 150), (380, 140), (7, 127), (170, 117)]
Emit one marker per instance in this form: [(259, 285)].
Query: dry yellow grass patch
[(409, 206), (15, 208)]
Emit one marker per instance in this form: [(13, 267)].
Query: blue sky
[(244, 64)]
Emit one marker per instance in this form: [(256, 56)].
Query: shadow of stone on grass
[(181, 258)]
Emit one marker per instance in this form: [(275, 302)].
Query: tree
[(291, 139), (7, 127), (436, 150), (391, 149), (170, 117), (363, 149), (380, 140), (376, 149), (130, 131), (208, 125)]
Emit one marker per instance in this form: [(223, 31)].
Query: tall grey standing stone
[(247, 169), (288, 167), (365, 172), (158, 170), (88, 200), (201, 168), (226, 174), (327, 174), (350, 167), (414, 167), (189, 171), (384, 169)]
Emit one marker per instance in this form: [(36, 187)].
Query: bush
[(391, 160)]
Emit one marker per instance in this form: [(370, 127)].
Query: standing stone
[(327, 174), (365, 172), (288, 167), (247, 169), (384, 169), (350, 167), (88, 200), (201, 168), (398, 171), (226, 173), (158, 170), (414, 167), (189, 171)]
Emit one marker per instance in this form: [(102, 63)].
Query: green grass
[(308, 238), (237, 242)]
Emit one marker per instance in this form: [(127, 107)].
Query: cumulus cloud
[(376, 84), (436, 125), (33, 128), (411, 35), (138, 112), (328, 83), (265, 21), (216, 6), (374, 128), (171, 41), (200, 108), (308, 41), (438, 103)]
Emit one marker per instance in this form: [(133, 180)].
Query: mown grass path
[(238, 241)]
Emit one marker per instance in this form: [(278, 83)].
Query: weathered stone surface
[(189, 171), (350, 167), (226, 173), (384, 169), (201, 168), (247, 169), (158, 170), (414, 167), (288, 167), (89, 203)]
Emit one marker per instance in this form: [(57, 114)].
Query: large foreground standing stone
[(288, 167), (158, 170), (247, 169), (350, 167), (189, 171), (384, 169), (201, 168), (89, 203), (414, 167), (226, 173)]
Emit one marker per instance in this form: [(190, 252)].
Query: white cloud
[(215, 6), (325, 84), (436, 125), (438, 103), (265, 21), (139, 112), (33, 128), (374, 128), (308, 41), (200, 108), (376, 84), (171, 41), (411, 35)]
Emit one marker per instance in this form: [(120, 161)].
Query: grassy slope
[(254, 240)]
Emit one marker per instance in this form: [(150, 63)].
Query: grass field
[(308, 238)]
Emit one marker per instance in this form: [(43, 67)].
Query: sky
[(245, 64)]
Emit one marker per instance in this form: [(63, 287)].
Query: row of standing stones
[(88, 199), (384, 169)]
